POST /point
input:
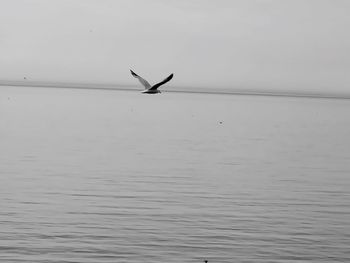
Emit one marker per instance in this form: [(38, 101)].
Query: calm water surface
[(112, 176)]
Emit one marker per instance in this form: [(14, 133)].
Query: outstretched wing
[(142, 80), (156, 86)]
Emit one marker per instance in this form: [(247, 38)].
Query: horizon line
[(184, 89)]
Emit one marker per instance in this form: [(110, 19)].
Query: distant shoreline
[(218, 91)]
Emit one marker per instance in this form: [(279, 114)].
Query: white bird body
[(148, 88), (150, 91)]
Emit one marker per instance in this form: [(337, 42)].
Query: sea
[(97, 176)]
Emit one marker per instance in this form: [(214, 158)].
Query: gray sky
[(279, 44)]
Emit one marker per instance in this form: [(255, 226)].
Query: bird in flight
[(148, 88)]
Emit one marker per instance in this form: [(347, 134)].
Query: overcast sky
[(279, 44)]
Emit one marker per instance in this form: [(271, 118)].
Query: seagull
[(148, 88)]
